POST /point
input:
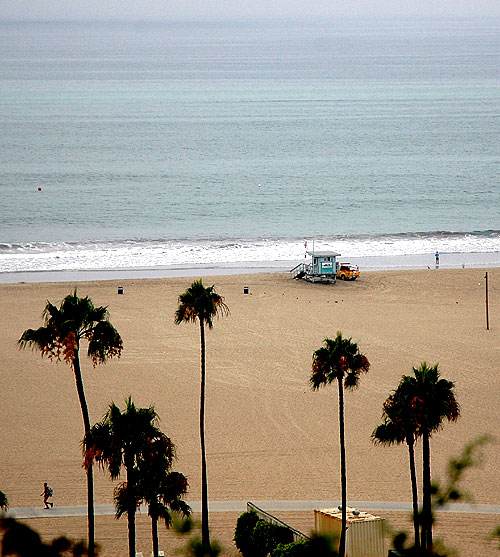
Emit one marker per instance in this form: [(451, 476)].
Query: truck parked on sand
[(348, 272)]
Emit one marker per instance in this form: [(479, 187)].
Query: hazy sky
[(239, 9)]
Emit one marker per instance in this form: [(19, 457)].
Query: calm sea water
[(161, 144)]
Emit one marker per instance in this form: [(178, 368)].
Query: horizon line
[(263, 19)]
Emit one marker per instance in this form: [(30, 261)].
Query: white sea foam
[(136, 254)]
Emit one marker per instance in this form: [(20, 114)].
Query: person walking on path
[(47, 493)]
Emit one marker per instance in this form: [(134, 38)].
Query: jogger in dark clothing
[(47, 492)]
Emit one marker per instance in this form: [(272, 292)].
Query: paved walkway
[(240, 506)]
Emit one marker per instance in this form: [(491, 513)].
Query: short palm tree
[(76, 320), (430, 400), (202, 304), (339, 360), (121, 439), (161, 489), (398, 427)]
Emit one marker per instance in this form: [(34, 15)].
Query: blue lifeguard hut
[(323, 267)]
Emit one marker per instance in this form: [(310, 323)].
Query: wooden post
[(487, 313)]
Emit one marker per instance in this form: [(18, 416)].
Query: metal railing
[(263, 515), (299, 270)]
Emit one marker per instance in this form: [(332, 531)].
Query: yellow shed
[(365, 532)]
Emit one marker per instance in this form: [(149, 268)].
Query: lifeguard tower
[(323, 267)]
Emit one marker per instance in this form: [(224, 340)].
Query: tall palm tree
[(76, 320), (430, 400), (122, 439), (203, 304), (339, 360), (398, 427), (159, 488)]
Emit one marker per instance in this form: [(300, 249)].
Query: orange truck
[(348, 272)]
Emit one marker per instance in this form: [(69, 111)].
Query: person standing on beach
[(437, 259), (47, 493)]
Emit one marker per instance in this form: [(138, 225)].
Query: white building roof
[(323, 253), (352, 515)]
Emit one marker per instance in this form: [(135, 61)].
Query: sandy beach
[(268, 435)]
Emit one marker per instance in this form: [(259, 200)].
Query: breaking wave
[(147, 254)]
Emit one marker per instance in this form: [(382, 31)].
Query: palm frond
[(338, 359), (387, 434), (51, 314), (104, 342), (351, 380), (64, 327), (130, 438), (100, 446), (125, 499), (428, 398), (43, 339), (200, 303)]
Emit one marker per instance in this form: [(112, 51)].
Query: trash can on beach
[(245, 290), (120, 290)]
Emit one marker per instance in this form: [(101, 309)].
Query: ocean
[(143, 146)]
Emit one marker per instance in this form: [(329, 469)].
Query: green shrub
[(243, 535), (280, 535), (267, 537), (295, 549), (256, 538), (317, 546), (262, 539), (195, 548)]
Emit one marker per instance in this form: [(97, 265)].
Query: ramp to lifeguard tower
[(299, 271)]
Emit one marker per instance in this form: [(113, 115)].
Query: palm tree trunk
[(205, 532), (90, 509), (131, 532), (154, 531), (342, 470), (129, 466), (414, 489), (426, 500), (90, 475)]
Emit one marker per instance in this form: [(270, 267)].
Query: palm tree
[(399, 427), (430, 400), (161, 489), (339, 360), (165, 501), (203, 304), (122, 439), (64, 328)]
